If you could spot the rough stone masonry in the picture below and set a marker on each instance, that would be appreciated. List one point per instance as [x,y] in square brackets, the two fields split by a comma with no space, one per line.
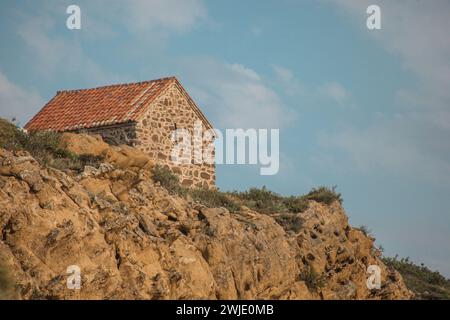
[143,115]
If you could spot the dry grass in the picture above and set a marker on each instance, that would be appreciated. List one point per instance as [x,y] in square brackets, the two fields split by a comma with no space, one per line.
[44,146]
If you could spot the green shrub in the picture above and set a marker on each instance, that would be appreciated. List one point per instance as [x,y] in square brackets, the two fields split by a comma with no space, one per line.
[266,201]
[208,197]
[167,179]
[259,195]
[261,200]
[365,229]
[213,199]
[324,195]
[45,147]
[11,137]
[425,283]
[296,204]
[46,142]
[313,280]
[289,222]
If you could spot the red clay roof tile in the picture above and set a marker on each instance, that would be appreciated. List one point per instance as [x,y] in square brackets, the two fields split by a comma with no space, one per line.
[87,108]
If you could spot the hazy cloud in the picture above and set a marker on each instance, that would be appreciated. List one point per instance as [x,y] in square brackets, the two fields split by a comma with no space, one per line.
[417,31]
[287,79]
[414,138]
[335,91]
[235,95]
[17,102]
[148,15]
[54,55]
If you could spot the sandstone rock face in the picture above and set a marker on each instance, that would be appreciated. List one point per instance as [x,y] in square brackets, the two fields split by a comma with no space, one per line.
[132,240]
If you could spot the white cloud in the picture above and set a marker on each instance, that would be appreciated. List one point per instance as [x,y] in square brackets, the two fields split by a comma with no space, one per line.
[284,74]
[235,95]
[293,87]
[59,53]
[244,72]
[414,140]
[178,15]
[55,55]
[414,144]
[335,91]
[416,31]
[58,56]
[286,77]
[148,15]
[17,102]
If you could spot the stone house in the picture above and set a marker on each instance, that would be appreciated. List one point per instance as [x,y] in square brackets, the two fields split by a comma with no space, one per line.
[142,114]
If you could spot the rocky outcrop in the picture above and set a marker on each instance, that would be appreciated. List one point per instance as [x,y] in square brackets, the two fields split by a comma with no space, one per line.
[132,240]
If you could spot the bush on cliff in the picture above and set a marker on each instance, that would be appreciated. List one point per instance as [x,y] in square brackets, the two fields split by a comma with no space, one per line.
[266,201]
[261,200]
[44,146]
[213,199]
[425,283]
[290,222]
[324,195]
[167,179]
[11,137]
[208,197]
[313,280]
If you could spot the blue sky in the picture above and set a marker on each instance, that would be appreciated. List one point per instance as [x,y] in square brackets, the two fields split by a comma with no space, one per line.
[365,110]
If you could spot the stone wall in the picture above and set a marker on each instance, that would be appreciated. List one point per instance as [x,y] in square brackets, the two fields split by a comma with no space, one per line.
[172,110]
[115,134]
[153,135]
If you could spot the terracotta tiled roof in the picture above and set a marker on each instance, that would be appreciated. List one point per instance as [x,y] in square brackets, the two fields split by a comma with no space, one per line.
[87,108]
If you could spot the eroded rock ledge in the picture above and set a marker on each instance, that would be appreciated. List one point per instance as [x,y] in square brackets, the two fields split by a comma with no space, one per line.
[132,240]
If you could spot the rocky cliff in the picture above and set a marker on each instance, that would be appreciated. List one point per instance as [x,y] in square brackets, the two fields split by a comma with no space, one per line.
[131,239]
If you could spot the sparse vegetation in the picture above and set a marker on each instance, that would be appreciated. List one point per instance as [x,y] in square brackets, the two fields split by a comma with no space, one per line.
[266,201]
[207,197]
[290,222]
[213,198]
[261,200]
[324,195]
[365,229]
[296,204]
[11,137]
[44,146]
[167,179]
[313,280]
[425,283]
